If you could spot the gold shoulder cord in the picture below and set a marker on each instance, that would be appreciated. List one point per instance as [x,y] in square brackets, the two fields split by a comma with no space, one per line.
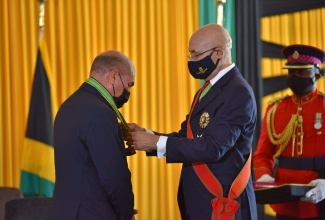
[289,132]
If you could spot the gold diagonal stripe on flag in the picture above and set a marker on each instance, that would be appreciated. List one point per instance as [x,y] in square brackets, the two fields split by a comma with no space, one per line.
[41,159]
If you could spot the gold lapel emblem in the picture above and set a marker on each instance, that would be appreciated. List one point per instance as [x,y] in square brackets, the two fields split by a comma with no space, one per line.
[204,120]
[201,70]
[295,55]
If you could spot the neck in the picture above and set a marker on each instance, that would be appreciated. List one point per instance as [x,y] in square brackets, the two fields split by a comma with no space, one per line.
[305,95]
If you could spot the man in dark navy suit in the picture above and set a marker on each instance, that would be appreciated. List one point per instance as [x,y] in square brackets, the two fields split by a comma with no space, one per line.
[214,141]
[92,176]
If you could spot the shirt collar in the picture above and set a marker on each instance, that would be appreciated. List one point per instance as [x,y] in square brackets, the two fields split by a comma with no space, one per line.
[221,74]
[306,98]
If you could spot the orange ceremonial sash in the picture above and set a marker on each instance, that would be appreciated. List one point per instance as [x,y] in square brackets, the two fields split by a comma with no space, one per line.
[223,208]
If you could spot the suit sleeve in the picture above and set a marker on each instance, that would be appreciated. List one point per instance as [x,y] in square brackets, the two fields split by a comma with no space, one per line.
[106,147]
[180,134]
[263,160]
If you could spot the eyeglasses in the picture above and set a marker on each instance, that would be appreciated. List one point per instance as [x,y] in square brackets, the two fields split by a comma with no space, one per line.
[193,57]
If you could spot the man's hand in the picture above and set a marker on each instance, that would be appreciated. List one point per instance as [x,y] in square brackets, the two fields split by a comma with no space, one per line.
[142,140]
[266,178]
[316,194]
[135,127]
[135,211]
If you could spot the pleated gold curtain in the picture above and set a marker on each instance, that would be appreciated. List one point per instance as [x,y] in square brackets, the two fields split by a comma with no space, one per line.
[306,27]
[154,34]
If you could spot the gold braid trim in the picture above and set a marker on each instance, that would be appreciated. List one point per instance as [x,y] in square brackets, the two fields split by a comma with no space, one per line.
[284,137]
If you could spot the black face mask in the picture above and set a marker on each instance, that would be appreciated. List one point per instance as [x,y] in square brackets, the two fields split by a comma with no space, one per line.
[119,101]
[301,86]
[203,68]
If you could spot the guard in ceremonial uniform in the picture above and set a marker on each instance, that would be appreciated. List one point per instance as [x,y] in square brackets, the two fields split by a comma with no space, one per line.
[293,131]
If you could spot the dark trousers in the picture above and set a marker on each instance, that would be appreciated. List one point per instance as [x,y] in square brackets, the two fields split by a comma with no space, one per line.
[283,217]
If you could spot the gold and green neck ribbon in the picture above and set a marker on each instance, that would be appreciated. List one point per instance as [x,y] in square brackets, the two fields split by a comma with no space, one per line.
[103,91]
[205,91]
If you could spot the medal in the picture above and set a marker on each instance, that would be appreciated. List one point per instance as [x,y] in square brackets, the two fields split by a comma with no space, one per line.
[204,120]
[318,121]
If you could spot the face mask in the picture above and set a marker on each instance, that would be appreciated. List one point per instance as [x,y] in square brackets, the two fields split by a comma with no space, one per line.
[119,101]
[203,68]
[301,86]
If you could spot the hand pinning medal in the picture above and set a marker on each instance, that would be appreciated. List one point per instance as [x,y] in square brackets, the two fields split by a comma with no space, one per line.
[204,120]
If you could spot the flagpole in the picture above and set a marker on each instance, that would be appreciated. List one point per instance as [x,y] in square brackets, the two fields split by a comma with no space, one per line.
[41,22]
[220,17]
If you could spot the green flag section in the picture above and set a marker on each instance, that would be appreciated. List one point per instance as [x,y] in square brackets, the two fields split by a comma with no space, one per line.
[207,12]
[37,170]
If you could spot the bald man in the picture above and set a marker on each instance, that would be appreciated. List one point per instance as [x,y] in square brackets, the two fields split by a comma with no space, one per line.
[214,141]
[92,176]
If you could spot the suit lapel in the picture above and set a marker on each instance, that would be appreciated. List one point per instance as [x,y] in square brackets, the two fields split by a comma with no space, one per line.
[214,91]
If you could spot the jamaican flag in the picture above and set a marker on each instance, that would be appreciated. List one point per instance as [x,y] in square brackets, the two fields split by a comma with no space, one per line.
[37,171]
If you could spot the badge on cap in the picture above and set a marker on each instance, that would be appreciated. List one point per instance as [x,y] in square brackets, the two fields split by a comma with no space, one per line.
[204,120]
[295,55]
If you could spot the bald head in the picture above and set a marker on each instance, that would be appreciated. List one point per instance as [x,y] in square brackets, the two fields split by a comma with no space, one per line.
[111,60]
[114,71]
[211,36]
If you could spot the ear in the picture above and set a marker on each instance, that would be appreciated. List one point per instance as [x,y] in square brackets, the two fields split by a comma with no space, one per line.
[219,52]
[111,76]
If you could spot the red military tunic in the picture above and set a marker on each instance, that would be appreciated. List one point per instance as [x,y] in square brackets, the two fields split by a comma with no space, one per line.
[313,146]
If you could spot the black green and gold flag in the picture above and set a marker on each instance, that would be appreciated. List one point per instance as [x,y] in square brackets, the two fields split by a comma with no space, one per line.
[37,171]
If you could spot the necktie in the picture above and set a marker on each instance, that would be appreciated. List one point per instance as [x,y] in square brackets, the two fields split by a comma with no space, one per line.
[205,88]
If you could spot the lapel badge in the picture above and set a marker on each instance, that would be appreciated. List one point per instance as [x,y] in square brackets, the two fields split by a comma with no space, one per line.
[204,120]
[201,70]
[318,121]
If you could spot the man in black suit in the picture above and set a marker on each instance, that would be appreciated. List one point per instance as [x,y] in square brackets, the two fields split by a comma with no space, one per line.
[214,141]
[92,176]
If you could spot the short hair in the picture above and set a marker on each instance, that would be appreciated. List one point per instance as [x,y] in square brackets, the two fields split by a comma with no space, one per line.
[103,64]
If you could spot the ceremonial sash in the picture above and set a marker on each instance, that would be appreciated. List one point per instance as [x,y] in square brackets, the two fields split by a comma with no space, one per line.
[222,208]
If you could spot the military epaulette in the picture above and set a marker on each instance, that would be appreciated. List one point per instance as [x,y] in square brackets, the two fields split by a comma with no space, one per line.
[278,99]
[321,94]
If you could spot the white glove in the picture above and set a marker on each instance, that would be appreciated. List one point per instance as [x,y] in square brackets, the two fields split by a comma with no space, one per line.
[316,194]
[266,178]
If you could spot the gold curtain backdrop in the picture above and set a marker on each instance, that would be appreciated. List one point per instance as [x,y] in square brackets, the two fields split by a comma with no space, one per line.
[306,27]
[154,34]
